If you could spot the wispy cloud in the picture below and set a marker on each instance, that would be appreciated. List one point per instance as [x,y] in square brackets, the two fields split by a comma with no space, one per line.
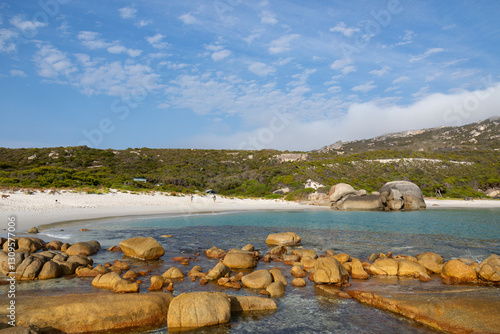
[343,65]
[188,19]
[344,30]
[400,79]
[384,70]
[143,23]
[127,12]
[18,73]
[157,42]
[426,54]
[7,37]
[282,44]
[267,17]
[91,40]
[364,88]
[52,63]
[20,23]
[464,73]
[261,69]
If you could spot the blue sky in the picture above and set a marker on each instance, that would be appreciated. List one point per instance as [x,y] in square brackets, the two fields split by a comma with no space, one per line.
[234,74]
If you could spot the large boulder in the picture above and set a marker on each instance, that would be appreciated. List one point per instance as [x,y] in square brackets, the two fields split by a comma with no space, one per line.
[107,281]
[276,289]
[329,270]
[283,239]
[457,272]
[340,191]
[413,199]
[92,312]
[368,202]
[278,276]
[199,309]
[431,261]
[410,268]
[82,248]
[388,267]
[251,304]
[258,279]
[490,269]
[50,270]
[357,270]
[239,261]
[142,248]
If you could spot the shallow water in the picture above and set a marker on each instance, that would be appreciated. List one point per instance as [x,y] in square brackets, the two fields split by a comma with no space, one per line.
[451,233]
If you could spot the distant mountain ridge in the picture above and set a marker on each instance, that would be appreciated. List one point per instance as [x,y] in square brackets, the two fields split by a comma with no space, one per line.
[482,135]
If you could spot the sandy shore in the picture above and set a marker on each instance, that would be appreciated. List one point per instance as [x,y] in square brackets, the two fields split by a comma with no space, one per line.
[43,208]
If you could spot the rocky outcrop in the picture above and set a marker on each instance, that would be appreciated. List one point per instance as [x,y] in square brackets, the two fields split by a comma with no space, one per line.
[362,203]
[142,248]
[407,192]
[489,269]
[199,309]
[340,191]
[92,312]
[329,270]
[458,272]
[239,261]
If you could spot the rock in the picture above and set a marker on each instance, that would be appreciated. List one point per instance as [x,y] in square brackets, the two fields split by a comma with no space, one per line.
[298,271]
[248,248]
[120,264]
[114,249]
[357,270]
[328,270]
[125,286]
[93,312]
[199,309]
[368,202]
[80,260]
[67,268]
[22,267]
[130,275]
[278,251]
[298,282]
[252,304]
[283,239]
[276,289]
[173,273]
[217,272]
[431,261]
[457,272]
[142,248]
[65,246]
[33,230]
[410,268]
[330,252]
[413,198]
[32,270]
[215,253]
[490,269]
[49,270]
[342,257]
[305,252]
[385,267]
[89,272]
[278,276]
[290,259]
[107,281]
[308,262]
[239,261]
[30,245]
[340,191]
[258,279]
[196,272]
[81,248]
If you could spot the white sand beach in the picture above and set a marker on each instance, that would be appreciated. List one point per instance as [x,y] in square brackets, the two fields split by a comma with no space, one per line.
[41,208]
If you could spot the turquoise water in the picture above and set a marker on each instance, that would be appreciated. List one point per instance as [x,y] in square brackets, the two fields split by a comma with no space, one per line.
[451,233]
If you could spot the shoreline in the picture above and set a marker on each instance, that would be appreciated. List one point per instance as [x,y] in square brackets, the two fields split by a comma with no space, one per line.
[45,210]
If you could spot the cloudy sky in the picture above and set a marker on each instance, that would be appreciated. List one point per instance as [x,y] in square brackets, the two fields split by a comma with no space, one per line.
[232,74]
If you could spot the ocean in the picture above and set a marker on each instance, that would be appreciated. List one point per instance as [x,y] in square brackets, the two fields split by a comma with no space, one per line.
[452,233]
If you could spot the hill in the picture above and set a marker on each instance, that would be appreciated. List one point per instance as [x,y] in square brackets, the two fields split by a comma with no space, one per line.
[452,161]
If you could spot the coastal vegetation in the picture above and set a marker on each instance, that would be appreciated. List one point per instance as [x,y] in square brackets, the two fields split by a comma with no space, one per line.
[453,166]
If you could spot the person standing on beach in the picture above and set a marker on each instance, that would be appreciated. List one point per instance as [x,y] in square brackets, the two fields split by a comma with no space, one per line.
[192,197]
[214,198]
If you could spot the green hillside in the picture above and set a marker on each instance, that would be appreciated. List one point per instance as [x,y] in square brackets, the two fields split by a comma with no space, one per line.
[444,159]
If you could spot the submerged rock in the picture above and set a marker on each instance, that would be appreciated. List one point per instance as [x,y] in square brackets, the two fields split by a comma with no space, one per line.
[283,239]
[258,279]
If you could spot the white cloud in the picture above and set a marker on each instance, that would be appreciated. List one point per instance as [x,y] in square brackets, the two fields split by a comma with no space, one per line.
[220,55]
[6,40]
[343,65]
[400,79]
[334,89]
[188,19]
[157,42]
[261,69]
[24,25]
[364,88]
[407,38]
[282,44]
[91,40]
[52,63]
[343,29]
[18,73]
[127,12]
[283,61]
[384,70]
[134,52]
[348,69]
[116,49]
[252,37]
[143,23]
[267,17]
[426,54]
[455,62]
[433,77]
